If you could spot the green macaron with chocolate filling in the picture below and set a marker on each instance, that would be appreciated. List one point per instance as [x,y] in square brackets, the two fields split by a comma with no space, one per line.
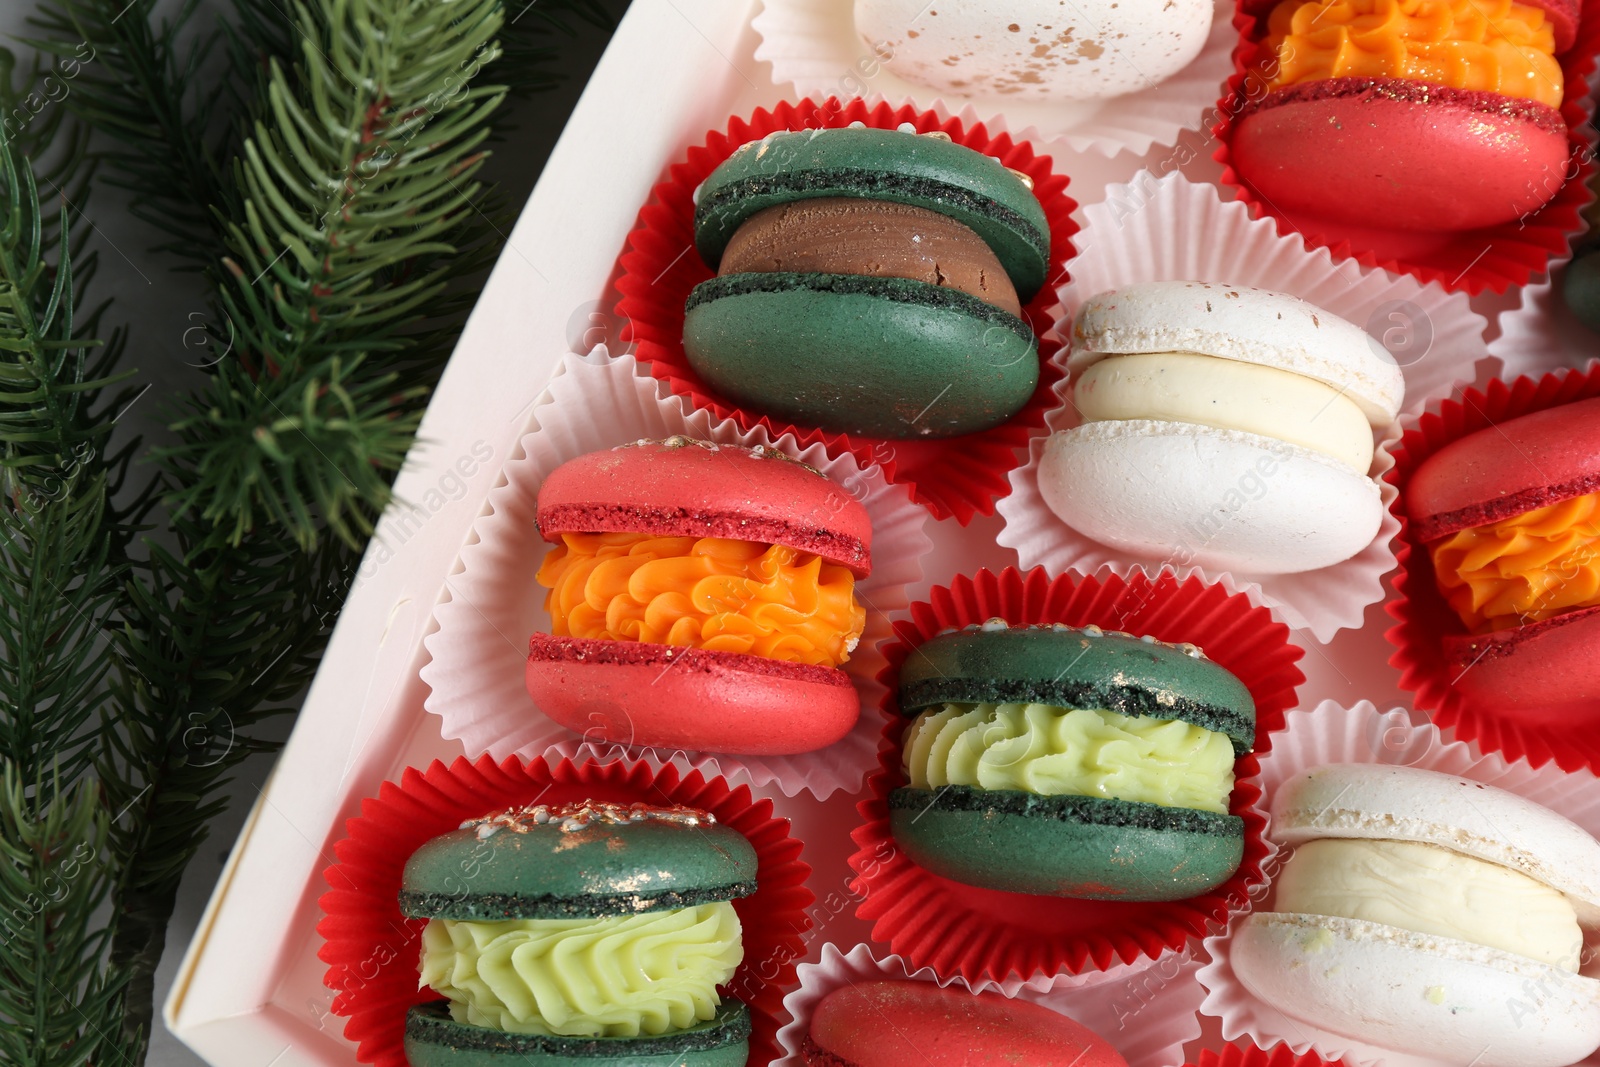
[1072,762]
[869,281]
[590,933]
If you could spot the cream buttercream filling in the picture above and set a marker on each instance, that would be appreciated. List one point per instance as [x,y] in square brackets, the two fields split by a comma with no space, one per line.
[1229,395]
[1037,748]
[1432,890]
[613,977]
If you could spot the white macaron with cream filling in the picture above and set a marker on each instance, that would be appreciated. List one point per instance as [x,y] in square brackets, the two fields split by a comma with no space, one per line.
[1431,915]
[1036,49]
[1232,427]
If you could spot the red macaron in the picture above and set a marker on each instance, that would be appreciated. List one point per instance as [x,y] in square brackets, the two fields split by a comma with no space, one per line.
[918,1024]
[1360,138]
[721,553]
[1511,517]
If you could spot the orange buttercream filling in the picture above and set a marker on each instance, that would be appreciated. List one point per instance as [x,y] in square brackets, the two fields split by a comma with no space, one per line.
[707,592]
[1523,569]
[1496,46]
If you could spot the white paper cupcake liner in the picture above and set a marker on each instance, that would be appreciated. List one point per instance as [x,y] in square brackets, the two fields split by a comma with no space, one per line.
[813,46]
[1147,1012]
[1541,334]
[1331,733]
[1171,229]
[478,653]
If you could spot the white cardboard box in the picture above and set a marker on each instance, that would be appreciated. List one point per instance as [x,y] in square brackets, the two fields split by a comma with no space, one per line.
[250,992]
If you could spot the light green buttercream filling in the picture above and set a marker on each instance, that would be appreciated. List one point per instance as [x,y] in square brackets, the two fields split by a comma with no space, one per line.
[1036,748]
[615,977]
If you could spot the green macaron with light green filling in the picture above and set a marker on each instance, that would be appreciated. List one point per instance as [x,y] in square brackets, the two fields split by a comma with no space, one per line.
[1072,762]
[870,282]
[588,933]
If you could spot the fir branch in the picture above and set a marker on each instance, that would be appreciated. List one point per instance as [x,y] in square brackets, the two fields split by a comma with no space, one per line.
[56,997]
[59,572]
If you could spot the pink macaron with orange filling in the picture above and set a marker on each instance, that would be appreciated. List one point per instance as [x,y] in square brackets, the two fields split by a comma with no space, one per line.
[702,597]
[918,1024]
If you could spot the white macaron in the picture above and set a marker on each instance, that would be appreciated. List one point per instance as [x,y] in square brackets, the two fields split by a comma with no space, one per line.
[1228,426]
[1036,49]
[1461,865]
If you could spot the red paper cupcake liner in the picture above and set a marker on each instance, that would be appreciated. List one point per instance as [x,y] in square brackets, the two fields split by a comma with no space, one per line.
[983,934]
[1422,613]
[1495,258]
[1250,1056]
[372,950]
[961,476]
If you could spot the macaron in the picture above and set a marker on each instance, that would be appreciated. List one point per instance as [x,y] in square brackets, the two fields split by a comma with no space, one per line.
[1510,516]
[1581,287]
[1433,115]
[590,933]
[1071,762]
[1430,915]
[918,1024]
[868,282]
[1036,49]
[702,596]
[1222,425]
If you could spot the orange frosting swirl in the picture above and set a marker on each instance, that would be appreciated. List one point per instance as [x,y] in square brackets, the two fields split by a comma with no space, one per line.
[708,592]
[1496,46]
[1523,569]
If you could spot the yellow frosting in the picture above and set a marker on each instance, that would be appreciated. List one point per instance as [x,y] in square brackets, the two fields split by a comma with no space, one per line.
[709,592]
[1230,395]
[614,977]
[1432,890]
[1036,748]
[1523,569]
[1497,46]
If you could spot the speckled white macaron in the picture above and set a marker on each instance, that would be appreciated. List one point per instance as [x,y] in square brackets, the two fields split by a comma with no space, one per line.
[1177,459]
[1036,49]
[1425,994]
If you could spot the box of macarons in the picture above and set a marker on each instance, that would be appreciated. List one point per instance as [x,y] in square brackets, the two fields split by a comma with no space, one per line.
[1065,535]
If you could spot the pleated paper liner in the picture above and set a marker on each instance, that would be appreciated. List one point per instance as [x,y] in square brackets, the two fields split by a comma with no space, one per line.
[1147,1013]
[479,651]
[1248,1055]
[1171,229]
[813,47]
[1421,612]
[987,935]
[1495,258]
[1541,333]
[372,950]
[1331,733]
[958,476]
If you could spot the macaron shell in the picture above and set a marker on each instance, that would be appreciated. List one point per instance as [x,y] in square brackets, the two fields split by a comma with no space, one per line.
[1383,802]
[635,693]
[1546,672]
[686,488]
[1034,50]
[1510,468]
[545,872]
[1401,154]
[896,165]
[1216,498]
[1065,846]
[887,357]
[1430,996]
[1563,16]
[433,1039]
[1073,669]
[1240,323]
[919,1024]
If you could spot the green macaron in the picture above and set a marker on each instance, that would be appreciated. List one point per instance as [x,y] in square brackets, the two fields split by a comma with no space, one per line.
[539,917]
[871,345]
[1071,762]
